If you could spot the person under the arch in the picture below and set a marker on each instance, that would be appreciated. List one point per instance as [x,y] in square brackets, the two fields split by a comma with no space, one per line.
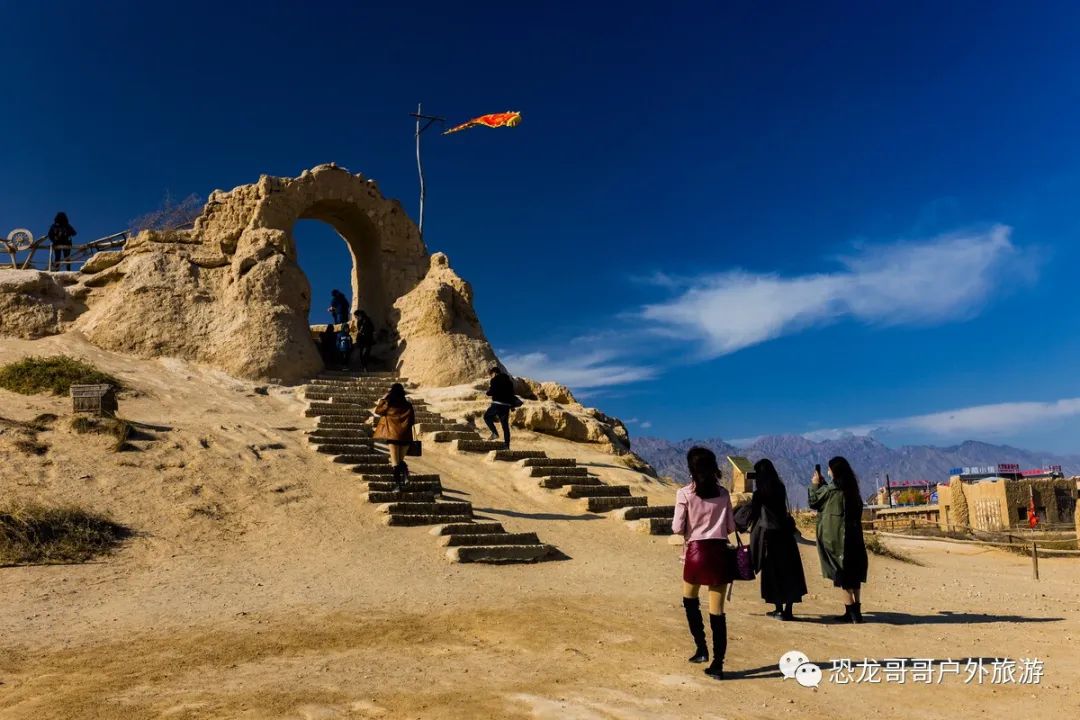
[365,338]
[339,307]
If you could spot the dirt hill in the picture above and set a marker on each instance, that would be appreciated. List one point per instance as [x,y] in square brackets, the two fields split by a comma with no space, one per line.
[260,584]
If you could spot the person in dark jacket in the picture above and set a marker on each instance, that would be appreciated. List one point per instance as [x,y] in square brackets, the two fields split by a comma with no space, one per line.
[365,338]
[395,427]
[339,307]
[60,234]
[503,400]
[772,542]
[839,534]
[328,345]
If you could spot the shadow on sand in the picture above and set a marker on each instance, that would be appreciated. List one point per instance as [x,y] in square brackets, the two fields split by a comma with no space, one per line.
[535,516]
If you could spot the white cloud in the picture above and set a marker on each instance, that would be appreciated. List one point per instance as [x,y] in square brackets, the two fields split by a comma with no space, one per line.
[577,369]
[646,425]
[976,421]
[947,278]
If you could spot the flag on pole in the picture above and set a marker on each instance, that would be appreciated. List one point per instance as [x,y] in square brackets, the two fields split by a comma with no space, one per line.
[492,120]
[1033,519]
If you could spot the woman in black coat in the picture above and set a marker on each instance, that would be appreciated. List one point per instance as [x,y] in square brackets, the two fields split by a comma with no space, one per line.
[772,542]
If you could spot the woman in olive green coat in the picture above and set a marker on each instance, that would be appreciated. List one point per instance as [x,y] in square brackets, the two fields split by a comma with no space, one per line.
[839,534]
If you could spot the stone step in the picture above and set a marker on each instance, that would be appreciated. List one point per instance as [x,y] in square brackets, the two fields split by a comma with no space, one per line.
[459,509]
[358,433]
[367,458]
[498,554]
[380,484]
[377,466]
[563,471]
[355,439]
[515,455]
[478,446]
[595,491]
[445,436]
[480,528]
[408,495]
[412,519]
[426,428]
[604,504]
[356,374]
[549,462]
[529,538]
[653,526]
[337,411]
[414,480]
[350,447]
[650,511]
[558,481]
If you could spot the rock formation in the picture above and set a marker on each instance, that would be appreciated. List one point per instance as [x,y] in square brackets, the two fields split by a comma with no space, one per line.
[34,304]
[229,293]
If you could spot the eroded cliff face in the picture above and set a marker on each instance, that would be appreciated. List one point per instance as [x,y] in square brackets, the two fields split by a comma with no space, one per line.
[229,293]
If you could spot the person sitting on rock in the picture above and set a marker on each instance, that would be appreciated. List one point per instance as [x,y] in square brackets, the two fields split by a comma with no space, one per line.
[339,307]
[503,400]
[60,234]
[365,338]
[394,427]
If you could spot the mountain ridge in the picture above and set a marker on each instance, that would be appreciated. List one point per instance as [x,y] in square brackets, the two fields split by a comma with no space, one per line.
[796,455]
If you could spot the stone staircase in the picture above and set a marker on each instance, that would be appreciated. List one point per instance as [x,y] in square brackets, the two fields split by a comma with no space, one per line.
[343,403]
[573,481]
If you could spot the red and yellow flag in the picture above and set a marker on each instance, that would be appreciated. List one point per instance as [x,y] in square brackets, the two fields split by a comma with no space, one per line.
[1033,519]
[493,120]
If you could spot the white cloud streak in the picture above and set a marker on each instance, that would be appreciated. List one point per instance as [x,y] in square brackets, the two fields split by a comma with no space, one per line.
[978,420]
[577,370]
[947,278]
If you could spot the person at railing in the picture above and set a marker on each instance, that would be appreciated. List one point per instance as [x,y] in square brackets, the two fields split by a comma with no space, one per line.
[60,234]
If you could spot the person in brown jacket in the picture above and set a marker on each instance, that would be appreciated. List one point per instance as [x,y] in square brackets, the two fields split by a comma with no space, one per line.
[394,427]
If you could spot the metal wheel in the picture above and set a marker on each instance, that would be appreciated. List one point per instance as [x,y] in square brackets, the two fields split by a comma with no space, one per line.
[19,239]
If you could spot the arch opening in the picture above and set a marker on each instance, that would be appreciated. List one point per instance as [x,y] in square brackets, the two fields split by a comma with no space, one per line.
[337,246]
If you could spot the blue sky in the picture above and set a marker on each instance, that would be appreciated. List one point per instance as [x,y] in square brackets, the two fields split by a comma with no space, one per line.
[716,219]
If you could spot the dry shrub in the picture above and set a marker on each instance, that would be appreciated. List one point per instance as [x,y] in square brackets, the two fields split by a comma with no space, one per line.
[118,428]
[171,215]
[31,447]
[876,545]
[33,534]
[55,374]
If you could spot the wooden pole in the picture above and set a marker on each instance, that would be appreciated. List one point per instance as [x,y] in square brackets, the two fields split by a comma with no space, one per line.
[420,170]
[1035,560]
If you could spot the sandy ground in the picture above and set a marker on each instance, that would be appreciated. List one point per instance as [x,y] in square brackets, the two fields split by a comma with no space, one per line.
[261,586]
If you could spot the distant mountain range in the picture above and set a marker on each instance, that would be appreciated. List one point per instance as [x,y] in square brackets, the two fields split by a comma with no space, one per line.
[795,456]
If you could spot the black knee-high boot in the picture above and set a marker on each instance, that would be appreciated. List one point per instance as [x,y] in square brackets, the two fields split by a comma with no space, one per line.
[718,624]
[697,629]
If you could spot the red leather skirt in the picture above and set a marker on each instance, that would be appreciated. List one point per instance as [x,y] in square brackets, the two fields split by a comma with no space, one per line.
[706,563]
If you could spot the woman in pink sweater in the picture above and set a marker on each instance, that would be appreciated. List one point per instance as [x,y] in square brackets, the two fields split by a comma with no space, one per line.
[703,516]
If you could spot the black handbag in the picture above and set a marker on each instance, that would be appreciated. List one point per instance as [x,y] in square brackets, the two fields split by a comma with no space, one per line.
[416,449]
[740,561]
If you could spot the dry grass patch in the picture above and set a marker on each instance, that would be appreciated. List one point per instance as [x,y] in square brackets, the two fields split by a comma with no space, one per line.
[35,534]
[118,428]
[55,375]
[876,545]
